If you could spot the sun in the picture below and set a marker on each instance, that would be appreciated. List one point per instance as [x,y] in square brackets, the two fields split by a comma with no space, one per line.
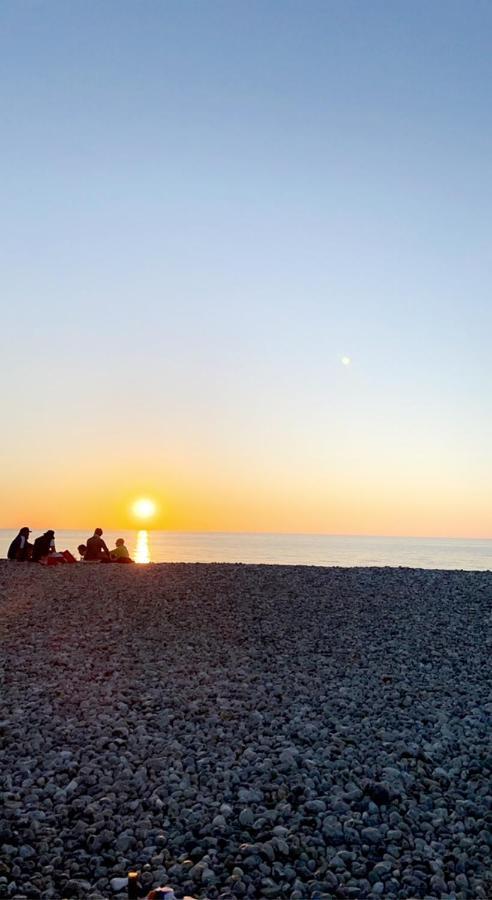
[143,508]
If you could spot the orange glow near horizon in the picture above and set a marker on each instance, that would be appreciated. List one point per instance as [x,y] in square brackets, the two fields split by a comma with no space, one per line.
[200,495]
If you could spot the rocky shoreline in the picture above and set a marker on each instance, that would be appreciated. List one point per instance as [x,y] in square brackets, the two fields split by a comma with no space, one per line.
[245,731]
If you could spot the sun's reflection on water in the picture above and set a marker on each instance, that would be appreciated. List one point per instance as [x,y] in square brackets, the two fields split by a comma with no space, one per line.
[142,551]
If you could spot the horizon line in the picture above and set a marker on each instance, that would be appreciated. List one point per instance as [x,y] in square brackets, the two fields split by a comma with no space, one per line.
[421,537]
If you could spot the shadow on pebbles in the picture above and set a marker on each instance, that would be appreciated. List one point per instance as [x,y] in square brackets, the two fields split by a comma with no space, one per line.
[245,731]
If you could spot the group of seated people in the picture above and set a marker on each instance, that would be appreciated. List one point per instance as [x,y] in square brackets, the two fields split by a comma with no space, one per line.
[96,550]
[43,549]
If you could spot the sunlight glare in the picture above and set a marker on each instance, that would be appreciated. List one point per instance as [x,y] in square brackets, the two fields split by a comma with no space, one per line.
[142,552]
[346,360]
[143,508]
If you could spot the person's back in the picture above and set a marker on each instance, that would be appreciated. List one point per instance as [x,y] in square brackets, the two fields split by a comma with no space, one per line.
[13,549]
[43,545]
[96,548]
[20,548]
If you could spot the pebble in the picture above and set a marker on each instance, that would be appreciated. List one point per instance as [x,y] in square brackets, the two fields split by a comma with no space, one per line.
[118,884]
[246,817]
[245,731]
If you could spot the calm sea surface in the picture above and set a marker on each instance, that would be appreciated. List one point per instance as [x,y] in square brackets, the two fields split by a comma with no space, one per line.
[288,549]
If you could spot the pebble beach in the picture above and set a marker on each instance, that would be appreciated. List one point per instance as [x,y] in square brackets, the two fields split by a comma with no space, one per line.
[245,731]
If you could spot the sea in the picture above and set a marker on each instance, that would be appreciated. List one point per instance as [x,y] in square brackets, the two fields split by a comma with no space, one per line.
[287,549]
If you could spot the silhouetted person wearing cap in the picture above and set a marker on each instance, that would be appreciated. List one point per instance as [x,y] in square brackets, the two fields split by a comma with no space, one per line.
[20,548]
[96,549]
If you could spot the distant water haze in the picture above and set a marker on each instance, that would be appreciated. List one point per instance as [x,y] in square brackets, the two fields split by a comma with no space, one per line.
[287,549]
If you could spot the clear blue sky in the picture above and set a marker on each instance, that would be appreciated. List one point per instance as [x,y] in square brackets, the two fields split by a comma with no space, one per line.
[205,205]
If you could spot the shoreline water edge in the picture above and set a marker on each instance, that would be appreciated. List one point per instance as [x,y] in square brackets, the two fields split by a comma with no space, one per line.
[245,731]
[146,545]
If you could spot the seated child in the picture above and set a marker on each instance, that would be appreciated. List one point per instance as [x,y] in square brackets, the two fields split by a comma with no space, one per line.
[120,553]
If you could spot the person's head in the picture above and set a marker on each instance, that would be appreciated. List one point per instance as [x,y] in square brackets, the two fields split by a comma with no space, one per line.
[50,534]
[25,532]
[82,549]
[98,532]
[120,542]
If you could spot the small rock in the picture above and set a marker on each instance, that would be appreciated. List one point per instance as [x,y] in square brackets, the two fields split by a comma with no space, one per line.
[118,884]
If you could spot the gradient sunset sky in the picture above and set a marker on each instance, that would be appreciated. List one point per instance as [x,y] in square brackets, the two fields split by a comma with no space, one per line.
[205,207]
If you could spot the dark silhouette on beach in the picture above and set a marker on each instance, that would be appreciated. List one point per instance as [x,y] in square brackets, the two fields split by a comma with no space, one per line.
[96,549]
[43,546]
[120,553]
[43,550]
[20,548]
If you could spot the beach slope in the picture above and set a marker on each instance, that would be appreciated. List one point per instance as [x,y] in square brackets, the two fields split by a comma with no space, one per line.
[245,731]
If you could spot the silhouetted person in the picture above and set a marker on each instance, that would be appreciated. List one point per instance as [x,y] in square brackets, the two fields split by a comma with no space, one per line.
[96,548]
[43,546]
[20,548]
[82,550]
[120,553]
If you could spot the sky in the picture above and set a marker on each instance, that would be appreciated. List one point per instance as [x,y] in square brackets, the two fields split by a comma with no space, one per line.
[206,206]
